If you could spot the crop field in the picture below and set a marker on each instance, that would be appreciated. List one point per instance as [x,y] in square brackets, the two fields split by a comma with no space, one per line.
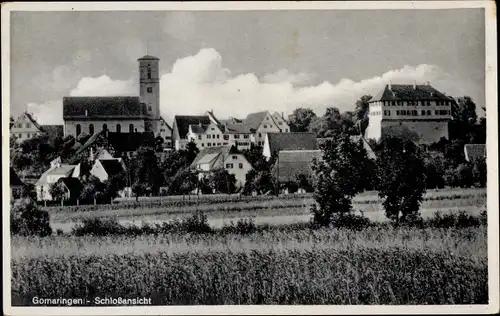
[282,264]
[329,266]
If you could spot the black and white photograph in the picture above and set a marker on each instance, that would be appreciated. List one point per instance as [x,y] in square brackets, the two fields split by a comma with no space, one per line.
[250,158]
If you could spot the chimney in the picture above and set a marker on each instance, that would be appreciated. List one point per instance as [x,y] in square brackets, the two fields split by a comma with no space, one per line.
[283,115]
[414,85]
[390,85]
[86,112]
[91,154]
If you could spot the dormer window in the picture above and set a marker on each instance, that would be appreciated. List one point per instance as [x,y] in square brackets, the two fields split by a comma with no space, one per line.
[150,90]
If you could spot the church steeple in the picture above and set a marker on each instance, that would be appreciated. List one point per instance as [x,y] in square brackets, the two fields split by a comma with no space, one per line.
[149,85]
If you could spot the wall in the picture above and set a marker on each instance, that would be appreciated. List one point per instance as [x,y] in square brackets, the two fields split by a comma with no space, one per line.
[428,131]
[70,126]
[239,173]
[98,171]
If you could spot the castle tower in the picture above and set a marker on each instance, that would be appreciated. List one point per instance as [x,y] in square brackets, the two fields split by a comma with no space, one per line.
[149,86]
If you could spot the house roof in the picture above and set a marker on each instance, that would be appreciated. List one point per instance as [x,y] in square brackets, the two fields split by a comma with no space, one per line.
[74,185]
[103,107]
[211,155]
[111,166]
[33,121]
[183,121]
[14,178]
[473,151]
[124,142]
[355,138]
[148,57]
[253,120]
[89,142]
[63,169]
[291,141]
[407,92]
[291,163]
[198,128]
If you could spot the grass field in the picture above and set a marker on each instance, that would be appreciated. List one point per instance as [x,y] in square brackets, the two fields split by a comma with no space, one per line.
[273,211]
[377,265]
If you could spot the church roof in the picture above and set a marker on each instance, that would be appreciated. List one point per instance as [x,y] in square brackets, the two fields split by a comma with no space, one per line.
[103,107]
[148,57]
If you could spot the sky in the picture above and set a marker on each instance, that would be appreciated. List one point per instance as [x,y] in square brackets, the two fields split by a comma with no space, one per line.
[238,62]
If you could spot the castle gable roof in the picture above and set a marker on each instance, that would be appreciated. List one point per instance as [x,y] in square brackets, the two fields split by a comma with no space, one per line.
[409,92]
[103,107]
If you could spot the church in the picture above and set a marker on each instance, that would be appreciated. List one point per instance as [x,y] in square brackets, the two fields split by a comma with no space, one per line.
[120,114]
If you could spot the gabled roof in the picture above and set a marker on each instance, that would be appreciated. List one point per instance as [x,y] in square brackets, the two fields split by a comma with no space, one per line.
[33,121]
[102,107]
[166,124]
[63,169]
[14,178]
[291,141]
[355,138]
[237,128]
[291,163]
[473,151]
[74,186]
[182,122]
[407,92]
[212,154]
[148,57]
[90,142]
[111,166]
[124,142]
[253,120]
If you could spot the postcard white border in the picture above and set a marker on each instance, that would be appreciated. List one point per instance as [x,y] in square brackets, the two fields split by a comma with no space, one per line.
[492,157]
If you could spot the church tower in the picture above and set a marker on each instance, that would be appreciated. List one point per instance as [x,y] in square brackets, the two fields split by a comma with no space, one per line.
[149,88]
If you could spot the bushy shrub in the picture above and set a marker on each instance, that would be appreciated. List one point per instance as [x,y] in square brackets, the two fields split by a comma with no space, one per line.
[27,219]
[242,227]
[196,223]
[451,220]
[483,217]
[352,221]
[98,227]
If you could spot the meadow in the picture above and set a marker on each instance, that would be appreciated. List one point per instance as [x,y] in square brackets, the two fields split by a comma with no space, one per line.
[278,263]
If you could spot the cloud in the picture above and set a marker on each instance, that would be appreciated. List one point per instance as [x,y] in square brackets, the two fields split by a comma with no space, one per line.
[104,86]
[200,82]
[48,113]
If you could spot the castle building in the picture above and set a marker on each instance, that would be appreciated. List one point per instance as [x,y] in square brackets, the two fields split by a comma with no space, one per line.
[120,114]
[420,111]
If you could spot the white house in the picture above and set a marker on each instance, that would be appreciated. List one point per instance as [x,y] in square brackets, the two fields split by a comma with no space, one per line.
[103,169]
[419,110]
[226,157]
[56,171]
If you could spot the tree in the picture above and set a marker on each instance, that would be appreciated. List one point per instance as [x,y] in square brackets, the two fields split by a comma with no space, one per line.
[146,170]
[138,189]
[191,152]
[159,143]
[347,123]
[337,178]
[328,125]
[11,121]
[479,172]
[260,182]
[256,158]
[399,131]
[464,121]
[173,162]
[361,113]
[27,219]
[92,189]
[435,167]
[300,119]
[305,182]
[401,179]
[57,191]
[114,184]
[220,180]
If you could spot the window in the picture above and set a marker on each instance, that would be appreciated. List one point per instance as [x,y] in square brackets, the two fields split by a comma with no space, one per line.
[428,112]
[162,130]
[199,137]
[241,166]
[235,157]
[209,145]
[236,136]
[150,89]
[213,136]
[208,136]
[393,102]
[213,129]
[131,128]
[218,144]
[149,107]
[214,144]
[436,112]
[260,135]
[91,129]
[202,145]
[265,126]
[229,166]
[397,112]
[27,125]
[118,128]
[422,112]
[270,126]
[218,135]
[105,127]
[224,144]
[226,137]
[149,72]
[78,129]
[286,130]
[246,136]
[29,135]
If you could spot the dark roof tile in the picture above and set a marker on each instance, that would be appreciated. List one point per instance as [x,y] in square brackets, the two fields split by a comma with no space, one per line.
[291,141]
[111,166]
[102,107]
[182,122]
[409,93]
